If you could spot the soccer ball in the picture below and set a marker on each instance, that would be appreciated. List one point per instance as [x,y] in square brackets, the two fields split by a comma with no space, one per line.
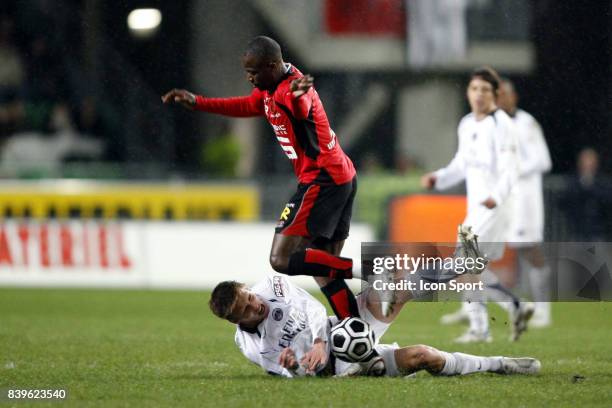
[352,340]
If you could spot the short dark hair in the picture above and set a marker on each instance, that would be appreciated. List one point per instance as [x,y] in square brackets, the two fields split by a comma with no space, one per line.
[488,74]
[223,298]
[507,81]
[265,49]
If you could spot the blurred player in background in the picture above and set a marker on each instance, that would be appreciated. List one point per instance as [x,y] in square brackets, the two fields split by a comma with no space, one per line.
[284,330]
[315,222]
[527,226]
[526,231]
[487,160]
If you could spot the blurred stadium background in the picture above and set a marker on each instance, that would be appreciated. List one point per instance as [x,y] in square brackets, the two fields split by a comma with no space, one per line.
[103,186]
[92,162]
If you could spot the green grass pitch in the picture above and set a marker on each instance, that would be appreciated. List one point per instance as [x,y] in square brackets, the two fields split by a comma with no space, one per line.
[163,348]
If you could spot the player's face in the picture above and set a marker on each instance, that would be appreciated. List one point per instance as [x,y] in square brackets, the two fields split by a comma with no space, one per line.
[481,96]
[506,98]
[260,74]
[248,310]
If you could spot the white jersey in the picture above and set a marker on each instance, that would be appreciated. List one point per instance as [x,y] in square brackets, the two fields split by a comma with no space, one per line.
[295,319]
[534,160]
[486,159]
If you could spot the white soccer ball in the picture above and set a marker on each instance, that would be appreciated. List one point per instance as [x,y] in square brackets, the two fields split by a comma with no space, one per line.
[352,340]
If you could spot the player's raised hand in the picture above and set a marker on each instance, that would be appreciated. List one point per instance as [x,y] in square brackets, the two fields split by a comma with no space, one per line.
[315,358]
[181,96]
[490,203]
[301,85]
[428,181]
[287,359]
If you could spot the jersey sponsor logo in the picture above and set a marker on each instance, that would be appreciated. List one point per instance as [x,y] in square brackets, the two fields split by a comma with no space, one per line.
[280,129]
[277,314]
[267,109]
[285,215]
[277,286]
[294,325]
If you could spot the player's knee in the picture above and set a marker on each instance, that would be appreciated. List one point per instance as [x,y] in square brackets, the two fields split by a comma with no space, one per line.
[430,359]
[411,359]
[424,357]
[420,355]
[279,263]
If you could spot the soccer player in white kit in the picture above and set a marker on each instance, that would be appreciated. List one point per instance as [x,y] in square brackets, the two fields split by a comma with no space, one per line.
[527,225]
[487,160]
[284,330]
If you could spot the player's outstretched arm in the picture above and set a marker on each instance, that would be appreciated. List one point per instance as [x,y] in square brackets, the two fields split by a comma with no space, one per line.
[180,96]
[315,358]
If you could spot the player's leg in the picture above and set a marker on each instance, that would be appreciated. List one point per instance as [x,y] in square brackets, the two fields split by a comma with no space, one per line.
[337,292]
[489,226]
[313,212]
[287,250]
[420,357]
[537,270]
[293,255]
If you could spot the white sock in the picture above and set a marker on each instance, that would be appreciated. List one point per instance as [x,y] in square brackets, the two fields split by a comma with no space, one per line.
[542,311]
[539,283]
[479,318]
[476,308]
[462,364]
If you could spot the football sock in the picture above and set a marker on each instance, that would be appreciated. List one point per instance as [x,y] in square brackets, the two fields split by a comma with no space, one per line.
[498,293]
[462,364]
[315,262]
[341,299]
[478,316]
[540,287]
[539,283]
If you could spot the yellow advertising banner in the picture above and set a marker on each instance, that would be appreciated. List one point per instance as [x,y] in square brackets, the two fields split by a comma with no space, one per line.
[113,200]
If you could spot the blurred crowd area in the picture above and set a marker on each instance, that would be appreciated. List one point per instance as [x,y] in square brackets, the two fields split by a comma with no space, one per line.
[47,113]
[79,97]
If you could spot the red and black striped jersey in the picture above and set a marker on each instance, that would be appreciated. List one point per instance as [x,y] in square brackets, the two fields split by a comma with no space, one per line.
[301,127]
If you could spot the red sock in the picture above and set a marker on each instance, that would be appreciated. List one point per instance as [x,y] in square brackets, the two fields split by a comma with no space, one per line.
[315,262]
[341,299]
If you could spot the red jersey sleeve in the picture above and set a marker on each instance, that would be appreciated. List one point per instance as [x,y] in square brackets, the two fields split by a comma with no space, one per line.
[240,106]
[300,106]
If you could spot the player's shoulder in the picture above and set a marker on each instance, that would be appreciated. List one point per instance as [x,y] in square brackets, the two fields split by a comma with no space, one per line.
[500,116]
[273,286]
[466,120]
[526,118]
[240,339]
[285,84]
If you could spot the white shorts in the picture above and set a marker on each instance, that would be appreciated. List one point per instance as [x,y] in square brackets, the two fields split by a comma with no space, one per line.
[386,351]
[491,227]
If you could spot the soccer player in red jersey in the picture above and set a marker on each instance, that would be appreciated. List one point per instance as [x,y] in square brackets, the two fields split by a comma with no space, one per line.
[313,226]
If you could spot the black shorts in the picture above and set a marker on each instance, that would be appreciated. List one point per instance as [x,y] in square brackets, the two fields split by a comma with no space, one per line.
[317,211]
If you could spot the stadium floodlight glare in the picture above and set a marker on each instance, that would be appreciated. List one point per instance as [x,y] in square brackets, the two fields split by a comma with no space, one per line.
[144,22]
